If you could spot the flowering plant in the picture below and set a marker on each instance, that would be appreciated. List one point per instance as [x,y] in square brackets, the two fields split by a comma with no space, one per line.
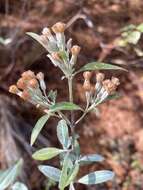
[31,87]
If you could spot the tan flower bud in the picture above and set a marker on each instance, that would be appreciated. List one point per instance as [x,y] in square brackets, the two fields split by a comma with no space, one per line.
[75,50]
[25,95]
[40,76]
[115,81]
[87,86]
[100,77]
[46,32]
[59,27]
[109,86]
[87,75]
[13,89]
[21,83]
[56,56]
[33,83]
[28,75]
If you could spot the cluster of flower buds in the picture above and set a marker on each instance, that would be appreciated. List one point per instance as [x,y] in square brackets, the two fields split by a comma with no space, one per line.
[101,90]
[31,87]
[61,54]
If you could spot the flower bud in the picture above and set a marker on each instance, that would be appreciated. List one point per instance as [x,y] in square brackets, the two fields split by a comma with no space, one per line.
[21,83]
[109,86]
[13,89]
[87,86]
[87,75]
[46,32]
[100,77]
[75,50]
[33,83]
[28,75]
[40,76]
[59,27]
[56,56]
[115,81]
[25,95]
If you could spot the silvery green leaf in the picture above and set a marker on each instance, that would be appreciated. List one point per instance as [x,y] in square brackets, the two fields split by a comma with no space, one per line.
[71,187]
[38,127]
[52,95]
[8,176]
[49,46]
[87,159]
[72,175]
[134,37]
[46,153]
[64,106]
[64,172]
[77,148]
[140,27]
[96,177]
[129,27]
[50,172]
[99,66]
[19,186]
[63,133]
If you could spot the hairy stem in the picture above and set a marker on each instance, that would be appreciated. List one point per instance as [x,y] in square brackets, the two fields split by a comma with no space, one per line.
[70,85]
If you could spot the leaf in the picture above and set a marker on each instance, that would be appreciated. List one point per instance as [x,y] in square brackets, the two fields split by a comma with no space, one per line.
[50,172]
[64,106]
[64,173]
[8,176]
[140,27]
[87,159]
[38,127]
[63,133]
[99,66]
[134,37]
[19,186]
[96,177]
[52,95]
[114,96]
[71,187]
[46,153]
[49,46]
[72,174]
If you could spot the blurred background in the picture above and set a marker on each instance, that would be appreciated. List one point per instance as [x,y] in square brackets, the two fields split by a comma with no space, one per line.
[116,131]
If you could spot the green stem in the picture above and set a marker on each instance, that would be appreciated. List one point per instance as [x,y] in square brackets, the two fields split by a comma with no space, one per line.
[70,85]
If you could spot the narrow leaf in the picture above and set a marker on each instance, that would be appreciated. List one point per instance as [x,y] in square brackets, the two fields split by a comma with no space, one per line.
[46,153]
[64,106]
[38,127]
[63,133]
[87,159]
[99,66]
[49,46]
[134,37]
[72,174]
[7,177]
[19,186]
[96,177]
[50,172]
[64,173]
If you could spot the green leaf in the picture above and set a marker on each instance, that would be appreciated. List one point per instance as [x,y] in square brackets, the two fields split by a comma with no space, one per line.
[19,186]
[99,66]
[96,177]
[134,37]
[64,106]
[64,173]
[49,46]
[63,133]
[50,172]
[140,27]
[72,174]
[8,176]
[38,127]
[87,159]
[46,153]
[112,97]
[52,95]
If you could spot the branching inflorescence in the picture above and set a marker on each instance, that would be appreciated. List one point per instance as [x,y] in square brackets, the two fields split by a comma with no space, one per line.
[31,87]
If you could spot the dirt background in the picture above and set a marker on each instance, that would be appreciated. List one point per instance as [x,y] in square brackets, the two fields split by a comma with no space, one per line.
[117,132]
